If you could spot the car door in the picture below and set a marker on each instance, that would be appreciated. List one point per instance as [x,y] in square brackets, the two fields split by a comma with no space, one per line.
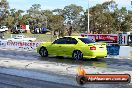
[56,47]
[69,46]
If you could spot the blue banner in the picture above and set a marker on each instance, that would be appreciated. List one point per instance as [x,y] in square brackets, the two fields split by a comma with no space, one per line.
[113,49]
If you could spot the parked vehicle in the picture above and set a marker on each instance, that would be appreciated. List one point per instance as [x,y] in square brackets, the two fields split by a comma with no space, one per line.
[18,29]
[44,30]
[40,30]
[3,29]
[73,46]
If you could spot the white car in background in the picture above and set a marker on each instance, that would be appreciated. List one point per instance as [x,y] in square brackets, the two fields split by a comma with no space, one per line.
[21,38]
[3,29]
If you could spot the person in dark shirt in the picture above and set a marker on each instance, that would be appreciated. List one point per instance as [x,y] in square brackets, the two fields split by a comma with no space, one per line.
[131,38]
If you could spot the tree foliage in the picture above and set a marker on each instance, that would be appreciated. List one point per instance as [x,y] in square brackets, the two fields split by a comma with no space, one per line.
[108,18]
[104,18]
[4,5]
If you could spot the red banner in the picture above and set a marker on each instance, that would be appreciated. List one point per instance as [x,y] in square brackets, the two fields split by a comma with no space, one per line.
[108,38]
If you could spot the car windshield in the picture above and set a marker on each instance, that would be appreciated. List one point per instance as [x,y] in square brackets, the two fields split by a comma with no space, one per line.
[87,40]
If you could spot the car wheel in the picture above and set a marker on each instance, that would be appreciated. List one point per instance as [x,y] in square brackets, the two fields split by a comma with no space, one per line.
[95,59]
[43,52]
[77,55]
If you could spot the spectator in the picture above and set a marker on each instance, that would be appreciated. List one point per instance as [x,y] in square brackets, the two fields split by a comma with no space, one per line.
[2,35]
[131,38]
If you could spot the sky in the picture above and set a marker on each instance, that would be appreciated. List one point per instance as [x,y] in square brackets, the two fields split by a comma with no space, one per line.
[53,4]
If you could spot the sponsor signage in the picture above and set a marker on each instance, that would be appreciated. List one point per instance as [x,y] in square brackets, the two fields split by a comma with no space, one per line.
[82,78]
[19,45]
[120,39]
[108,38]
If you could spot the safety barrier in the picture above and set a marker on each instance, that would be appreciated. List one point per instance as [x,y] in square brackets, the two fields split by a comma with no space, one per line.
[19,45]
[113,49]
[122,52]
[125,52]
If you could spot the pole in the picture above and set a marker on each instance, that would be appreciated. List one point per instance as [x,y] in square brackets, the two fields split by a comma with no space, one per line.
[88,31]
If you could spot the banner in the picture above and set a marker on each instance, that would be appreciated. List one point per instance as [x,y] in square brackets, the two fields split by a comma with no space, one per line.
[113,49]
[18,45]
[107,38]
[22,45]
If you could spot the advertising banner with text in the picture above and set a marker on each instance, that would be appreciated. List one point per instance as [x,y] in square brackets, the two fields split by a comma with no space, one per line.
[19,45]
[107,38]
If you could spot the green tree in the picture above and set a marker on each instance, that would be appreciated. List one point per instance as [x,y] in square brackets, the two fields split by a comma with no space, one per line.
[71,13]
[12,12]
[35,13]
[46,16]
[4,5]
[34,10]
[58,11]
[9,21]
[101,18]
[122,19]
[56,24]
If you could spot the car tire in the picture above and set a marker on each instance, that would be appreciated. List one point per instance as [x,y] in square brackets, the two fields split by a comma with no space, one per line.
[43,52]
[94,59]
[59,57]
[77,55]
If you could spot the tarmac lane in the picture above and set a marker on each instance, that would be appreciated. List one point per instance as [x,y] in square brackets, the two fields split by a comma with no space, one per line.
[27,80]
[115,63]
[31,61]
[12,81]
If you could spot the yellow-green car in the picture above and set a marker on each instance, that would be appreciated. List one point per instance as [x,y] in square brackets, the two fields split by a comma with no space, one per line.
[76,47]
